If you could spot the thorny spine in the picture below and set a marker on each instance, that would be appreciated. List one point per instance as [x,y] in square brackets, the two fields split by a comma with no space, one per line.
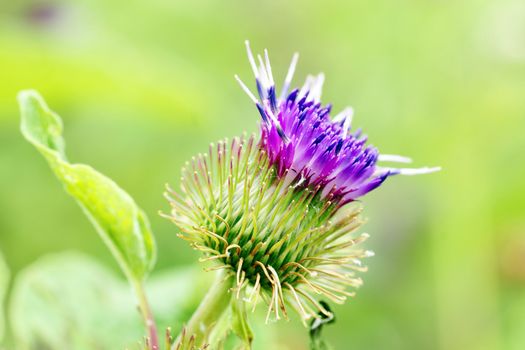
[283,243]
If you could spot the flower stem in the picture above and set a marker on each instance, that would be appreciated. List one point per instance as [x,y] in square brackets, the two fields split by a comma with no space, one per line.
[208,314]
[147,316]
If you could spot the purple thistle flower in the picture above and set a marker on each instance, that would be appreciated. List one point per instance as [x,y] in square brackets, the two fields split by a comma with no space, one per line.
[271,211]
[307,146]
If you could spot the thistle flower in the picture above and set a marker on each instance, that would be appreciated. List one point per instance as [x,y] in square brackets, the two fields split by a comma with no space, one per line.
[279,210]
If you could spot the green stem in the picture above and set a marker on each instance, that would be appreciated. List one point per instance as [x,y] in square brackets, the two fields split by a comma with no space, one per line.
[147,315]
[209,312]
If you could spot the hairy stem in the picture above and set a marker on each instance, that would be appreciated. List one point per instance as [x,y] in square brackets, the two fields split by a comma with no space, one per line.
[208,314]
[147,316]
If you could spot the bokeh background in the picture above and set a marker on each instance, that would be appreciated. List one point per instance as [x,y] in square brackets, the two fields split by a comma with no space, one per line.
[144,85]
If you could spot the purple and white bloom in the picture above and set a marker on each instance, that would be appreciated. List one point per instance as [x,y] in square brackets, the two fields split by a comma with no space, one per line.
[310,147]
[279,211]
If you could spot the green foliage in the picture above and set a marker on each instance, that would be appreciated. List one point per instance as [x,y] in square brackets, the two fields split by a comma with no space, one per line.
[441,81]
[69,301]
[4,282]
[232,330]
[240,325]
[121,224]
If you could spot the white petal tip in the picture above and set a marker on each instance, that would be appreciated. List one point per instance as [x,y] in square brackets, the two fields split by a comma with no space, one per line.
[245,89]
[419,171]
[394,158]
[369,254]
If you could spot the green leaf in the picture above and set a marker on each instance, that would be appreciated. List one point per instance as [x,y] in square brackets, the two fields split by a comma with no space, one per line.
[233,320]
[122,225]
[70,301]
[4,281]
[240,325]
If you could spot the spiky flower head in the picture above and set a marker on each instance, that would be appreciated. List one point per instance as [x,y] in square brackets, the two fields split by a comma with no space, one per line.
[279,210]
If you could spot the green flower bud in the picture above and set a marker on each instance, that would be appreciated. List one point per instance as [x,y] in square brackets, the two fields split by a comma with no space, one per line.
[286,244]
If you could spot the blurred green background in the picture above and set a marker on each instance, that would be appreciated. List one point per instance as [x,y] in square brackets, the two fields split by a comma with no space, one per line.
[144,85]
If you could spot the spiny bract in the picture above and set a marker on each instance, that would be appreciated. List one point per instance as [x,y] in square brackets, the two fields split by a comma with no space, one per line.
[279,210]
